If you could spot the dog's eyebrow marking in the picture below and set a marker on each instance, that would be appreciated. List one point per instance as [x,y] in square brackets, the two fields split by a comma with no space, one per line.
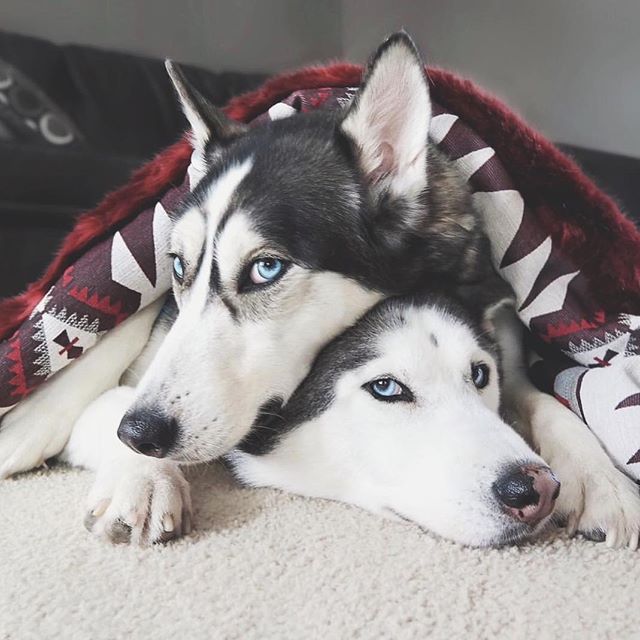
[223,222]
[434,340]
[218,200]
[200,259]
[230,306]
[215,279]
[188,238]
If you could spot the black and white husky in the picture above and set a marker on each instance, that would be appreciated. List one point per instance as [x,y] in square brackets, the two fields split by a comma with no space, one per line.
[296,229]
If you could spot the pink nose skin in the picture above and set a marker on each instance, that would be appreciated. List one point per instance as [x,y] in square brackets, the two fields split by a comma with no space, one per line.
[527,493]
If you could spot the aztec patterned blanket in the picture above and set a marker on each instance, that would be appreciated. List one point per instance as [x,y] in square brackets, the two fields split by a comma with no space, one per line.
[571,256]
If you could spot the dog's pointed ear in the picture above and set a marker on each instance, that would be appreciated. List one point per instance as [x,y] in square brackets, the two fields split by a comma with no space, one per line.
[388,120]
[209,125]
[490,296]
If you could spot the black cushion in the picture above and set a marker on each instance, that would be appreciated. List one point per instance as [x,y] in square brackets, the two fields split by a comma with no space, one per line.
[617,175]
[122,109]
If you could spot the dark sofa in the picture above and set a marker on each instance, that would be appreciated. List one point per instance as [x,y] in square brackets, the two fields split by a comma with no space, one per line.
[111,113]
[76,121]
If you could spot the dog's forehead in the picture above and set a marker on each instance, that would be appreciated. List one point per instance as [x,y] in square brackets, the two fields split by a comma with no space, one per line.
[188,233]
[209,205]
[235,243]
[429,334]
[298,161]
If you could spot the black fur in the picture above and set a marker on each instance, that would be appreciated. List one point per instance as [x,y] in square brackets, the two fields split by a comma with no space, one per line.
[221,129]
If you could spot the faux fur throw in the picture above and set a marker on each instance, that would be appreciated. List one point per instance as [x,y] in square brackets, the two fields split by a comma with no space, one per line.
[572,258]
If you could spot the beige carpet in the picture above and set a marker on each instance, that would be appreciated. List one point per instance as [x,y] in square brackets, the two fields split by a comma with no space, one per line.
[266,565]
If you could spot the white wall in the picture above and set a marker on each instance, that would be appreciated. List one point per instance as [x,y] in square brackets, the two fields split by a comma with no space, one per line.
[571,67]
[247,35]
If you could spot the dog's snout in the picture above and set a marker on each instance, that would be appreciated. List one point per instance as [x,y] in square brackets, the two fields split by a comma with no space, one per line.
[528,493]
[149,432]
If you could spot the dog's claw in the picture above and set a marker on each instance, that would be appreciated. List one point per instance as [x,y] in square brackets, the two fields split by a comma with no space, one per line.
[602,508]
[100,508]
[167,523]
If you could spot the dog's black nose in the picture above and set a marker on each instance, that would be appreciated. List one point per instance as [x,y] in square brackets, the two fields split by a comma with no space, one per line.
[527,492]
[148,431]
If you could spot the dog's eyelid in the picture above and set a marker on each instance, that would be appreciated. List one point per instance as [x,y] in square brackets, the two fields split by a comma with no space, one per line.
[405,396]
[174,253]
[244,282]
[266,251]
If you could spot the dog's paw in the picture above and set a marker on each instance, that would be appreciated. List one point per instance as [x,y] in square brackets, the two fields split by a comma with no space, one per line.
[26,445]
[598,501]
[141,502]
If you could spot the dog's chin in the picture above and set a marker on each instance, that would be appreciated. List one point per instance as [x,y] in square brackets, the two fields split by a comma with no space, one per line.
[520,533]
[513,534]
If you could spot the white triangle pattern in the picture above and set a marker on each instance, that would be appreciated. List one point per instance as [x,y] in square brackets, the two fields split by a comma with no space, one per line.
[502,213]
[81,332]
[281,110]
[42,305]
[78,337]
[523,273]
[440,126]
[550,299]
[126,271]
[469,164]
[587,353]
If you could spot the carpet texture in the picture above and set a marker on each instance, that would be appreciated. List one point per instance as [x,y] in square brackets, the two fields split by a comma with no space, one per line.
[263,564]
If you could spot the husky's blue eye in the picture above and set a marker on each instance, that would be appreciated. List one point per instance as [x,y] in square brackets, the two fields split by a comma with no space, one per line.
[388,390]
[265,270]
[178,268]
[386,387]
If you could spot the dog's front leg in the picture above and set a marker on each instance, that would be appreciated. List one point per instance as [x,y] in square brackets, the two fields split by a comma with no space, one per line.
[596,498]
[134,498]
[38,427]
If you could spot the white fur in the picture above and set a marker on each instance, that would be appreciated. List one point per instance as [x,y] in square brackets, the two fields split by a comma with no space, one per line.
[38,427]
[431,461]
[389,122]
